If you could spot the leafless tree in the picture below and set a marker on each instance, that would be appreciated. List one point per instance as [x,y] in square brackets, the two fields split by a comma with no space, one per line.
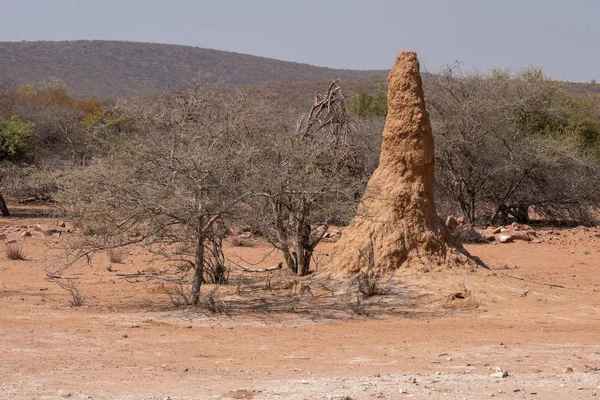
[167,182]
[309,176]
[503,140]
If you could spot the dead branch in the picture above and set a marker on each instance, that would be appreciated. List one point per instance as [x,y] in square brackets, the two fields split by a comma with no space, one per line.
[273,268]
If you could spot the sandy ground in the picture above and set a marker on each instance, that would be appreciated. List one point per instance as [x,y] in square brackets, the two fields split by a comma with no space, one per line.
[535,313]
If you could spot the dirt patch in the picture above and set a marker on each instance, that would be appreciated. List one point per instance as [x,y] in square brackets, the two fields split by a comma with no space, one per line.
[537,316]
[240,394]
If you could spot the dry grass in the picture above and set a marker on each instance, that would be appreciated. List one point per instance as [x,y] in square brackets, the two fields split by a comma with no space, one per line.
[369,280]
[116,256]
[14,251]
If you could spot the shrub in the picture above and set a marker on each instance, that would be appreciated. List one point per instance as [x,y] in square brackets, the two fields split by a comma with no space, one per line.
[76,300]
[116,255]
[14,251]
[368,279]
[16,138]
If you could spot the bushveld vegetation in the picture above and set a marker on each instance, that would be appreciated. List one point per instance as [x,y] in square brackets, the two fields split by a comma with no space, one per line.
[509,144]
[175,173]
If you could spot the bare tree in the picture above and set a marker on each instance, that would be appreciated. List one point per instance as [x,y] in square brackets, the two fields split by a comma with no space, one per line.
[179,171]
[308,177]
[503,140]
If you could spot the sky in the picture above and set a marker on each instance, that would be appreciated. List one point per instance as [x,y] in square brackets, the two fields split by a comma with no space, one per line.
[561,36]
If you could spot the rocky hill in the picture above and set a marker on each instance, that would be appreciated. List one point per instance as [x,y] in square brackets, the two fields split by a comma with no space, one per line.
[112,69]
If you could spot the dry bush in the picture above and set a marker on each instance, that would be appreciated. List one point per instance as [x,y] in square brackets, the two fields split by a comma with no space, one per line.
[369,279]
[210,304]
[14,251]
[359,308]
[177,295]
[217,273]
[307,178]
[508,142]
[77,299]
[180,171]
[116,255]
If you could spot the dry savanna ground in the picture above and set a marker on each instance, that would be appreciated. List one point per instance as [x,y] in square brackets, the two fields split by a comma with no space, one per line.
[535,313]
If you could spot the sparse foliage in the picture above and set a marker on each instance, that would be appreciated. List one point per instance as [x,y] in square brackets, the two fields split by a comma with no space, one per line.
[309,175]
[505,143]
[368,279]
[180,171]
[366,105]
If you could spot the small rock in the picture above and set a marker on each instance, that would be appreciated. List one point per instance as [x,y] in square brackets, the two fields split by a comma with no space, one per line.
[567,370]
[124,336]
[46,230]
[10,240]
[487,235]
[521,236]
[25,234]
[498,372]
[503,238]
[61,224]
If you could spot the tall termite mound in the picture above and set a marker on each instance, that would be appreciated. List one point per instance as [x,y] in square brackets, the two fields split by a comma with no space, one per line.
[397,217]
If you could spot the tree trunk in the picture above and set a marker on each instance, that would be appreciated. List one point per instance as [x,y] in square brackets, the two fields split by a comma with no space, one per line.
[198,270]
[3,207]
[304,268]
[289,259]
[521,213]
[302,246]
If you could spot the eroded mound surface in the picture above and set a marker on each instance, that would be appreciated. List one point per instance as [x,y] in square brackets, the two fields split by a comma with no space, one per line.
[397,217]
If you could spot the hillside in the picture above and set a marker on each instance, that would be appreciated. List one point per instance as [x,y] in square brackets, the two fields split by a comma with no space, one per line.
[111,69]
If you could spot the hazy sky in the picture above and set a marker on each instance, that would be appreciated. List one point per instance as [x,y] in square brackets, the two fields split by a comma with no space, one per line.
[561,36]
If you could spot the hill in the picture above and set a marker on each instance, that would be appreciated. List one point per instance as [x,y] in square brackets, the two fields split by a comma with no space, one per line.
[111,69]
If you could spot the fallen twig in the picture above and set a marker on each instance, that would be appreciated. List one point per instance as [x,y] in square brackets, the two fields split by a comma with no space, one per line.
[137,274]
[273,268]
